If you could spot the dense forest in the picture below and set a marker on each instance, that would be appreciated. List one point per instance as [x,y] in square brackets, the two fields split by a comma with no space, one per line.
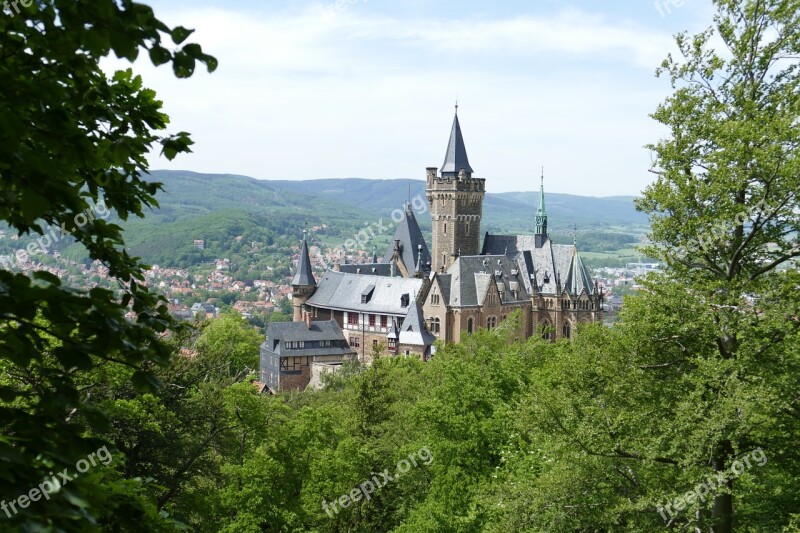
[534,436]
[684,415]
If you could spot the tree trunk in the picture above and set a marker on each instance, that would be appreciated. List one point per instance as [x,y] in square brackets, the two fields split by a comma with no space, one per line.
[722,515]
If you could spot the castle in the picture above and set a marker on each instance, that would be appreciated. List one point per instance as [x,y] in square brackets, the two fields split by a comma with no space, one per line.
[418,295]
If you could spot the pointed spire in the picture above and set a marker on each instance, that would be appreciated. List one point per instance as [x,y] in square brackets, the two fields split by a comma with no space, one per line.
[406,241]
[419,266]
[541,216]
[374,258]
[541,211]
[456,157]
[413,330]
[304,274]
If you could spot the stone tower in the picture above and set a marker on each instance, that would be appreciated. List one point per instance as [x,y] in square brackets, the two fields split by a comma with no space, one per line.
[303,283]
[456,204]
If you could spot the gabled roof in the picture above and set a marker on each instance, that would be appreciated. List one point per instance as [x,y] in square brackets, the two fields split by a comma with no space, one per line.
[323,330]
[410,237]
[304,274]
[413,330]
[547,265]
[470,276]
[456,157]
[443,281]
[342,291]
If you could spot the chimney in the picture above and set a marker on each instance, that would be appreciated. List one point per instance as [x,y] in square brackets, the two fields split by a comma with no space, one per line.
[307,317]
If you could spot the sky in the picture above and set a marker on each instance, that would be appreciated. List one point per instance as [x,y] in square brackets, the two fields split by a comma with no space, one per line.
[366,88]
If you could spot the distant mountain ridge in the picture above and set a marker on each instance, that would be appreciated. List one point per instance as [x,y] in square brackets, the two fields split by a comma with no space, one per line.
[510,210]
[220,208]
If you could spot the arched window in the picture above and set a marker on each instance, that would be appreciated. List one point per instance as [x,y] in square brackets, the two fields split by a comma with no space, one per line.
[546,330]
[469,327]
[491,322]
[566,330]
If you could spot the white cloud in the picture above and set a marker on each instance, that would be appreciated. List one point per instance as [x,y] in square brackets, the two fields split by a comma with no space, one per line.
[329,93]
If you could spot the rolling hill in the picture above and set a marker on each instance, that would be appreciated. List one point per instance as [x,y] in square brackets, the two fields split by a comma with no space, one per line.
[218,207]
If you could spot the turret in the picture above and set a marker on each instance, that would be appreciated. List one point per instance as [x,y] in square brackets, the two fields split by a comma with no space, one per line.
[303,283]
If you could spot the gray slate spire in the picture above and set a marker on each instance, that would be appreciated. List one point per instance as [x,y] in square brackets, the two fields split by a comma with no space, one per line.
[409,238]
[541,217]
[456,157]
[304,274]
[413,330]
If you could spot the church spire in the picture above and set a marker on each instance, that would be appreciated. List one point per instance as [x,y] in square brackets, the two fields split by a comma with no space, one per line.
[541,217]
[456,157]
[304,275]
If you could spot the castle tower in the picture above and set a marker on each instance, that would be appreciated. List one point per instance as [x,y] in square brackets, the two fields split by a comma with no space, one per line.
[541,218]
[456,204]
[303,283]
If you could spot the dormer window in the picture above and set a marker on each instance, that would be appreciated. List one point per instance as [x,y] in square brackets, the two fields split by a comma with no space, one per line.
[405,300]
[366,295]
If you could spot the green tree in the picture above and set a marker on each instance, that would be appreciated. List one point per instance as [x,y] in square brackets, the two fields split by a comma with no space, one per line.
[73,146]
[725,215]
[231,337]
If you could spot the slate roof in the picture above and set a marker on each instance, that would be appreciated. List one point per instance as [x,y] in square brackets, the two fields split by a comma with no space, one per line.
[376,269]
[548,264]
[304,274]
[413,330]
[456,157]
[342,291]
[323,330]
[394,331]
[470,277]
[411,238]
